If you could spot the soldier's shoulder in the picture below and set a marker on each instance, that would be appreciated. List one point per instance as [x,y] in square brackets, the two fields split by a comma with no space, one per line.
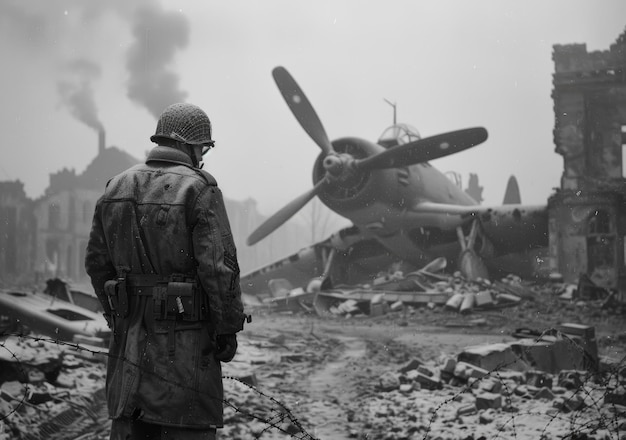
[123,174]
[206,176]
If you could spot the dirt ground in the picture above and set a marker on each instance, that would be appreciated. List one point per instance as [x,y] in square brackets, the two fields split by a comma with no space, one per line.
[305,377]
[320,378]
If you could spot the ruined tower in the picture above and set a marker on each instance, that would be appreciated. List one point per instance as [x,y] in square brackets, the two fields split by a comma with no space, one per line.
[588,213]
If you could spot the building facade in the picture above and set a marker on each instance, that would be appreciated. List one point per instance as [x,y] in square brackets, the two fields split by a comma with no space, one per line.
[587,214]
[47,237]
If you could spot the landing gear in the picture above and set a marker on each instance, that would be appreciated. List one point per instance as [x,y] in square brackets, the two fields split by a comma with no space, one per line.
[470,264]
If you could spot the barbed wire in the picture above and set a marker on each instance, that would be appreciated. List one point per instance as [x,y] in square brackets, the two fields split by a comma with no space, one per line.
[281,414]
[274,422]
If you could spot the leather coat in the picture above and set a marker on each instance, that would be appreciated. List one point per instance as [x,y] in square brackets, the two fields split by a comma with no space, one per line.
[166,217]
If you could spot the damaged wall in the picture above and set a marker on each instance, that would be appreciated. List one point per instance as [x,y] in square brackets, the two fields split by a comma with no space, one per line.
[586,215]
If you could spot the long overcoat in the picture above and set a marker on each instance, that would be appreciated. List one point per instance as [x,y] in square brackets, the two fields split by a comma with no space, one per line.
[166,217]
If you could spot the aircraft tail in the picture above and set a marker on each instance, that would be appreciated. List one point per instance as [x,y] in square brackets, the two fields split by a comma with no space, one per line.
[512,195]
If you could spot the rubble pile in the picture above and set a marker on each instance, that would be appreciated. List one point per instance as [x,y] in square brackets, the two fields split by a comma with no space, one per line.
[50,391]
[448,399]
[263,386]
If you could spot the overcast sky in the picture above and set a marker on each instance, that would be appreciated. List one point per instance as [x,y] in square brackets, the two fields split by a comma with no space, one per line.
[71,66]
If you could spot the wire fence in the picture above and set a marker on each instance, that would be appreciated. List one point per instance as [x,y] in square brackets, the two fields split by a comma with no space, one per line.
[84,416]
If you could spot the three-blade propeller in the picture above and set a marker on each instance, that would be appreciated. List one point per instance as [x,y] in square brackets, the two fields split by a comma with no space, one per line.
[404,155]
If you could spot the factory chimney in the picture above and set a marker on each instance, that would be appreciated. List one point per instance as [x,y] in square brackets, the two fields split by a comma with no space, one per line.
[101,140]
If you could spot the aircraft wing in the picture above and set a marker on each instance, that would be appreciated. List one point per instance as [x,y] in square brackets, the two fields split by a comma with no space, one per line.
[348,254]
[474,210]
[514,226]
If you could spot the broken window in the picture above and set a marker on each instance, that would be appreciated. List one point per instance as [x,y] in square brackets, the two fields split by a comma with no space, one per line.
[599,222]
[54,216]
[601,250]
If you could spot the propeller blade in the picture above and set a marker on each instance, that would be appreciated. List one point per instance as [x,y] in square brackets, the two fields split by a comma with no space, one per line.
[284,214]
[425,149]
[301,108]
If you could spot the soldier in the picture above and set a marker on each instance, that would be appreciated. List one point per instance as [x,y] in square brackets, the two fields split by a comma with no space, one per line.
[163,263]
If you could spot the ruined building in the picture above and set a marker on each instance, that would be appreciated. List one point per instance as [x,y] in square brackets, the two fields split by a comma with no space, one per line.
[587,213]
[47,237]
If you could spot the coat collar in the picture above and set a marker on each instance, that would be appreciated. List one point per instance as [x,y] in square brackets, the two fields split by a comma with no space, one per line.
[168,154]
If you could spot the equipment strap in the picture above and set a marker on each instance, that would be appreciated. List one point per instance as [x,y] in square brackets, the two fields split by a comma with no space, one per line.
[145,280]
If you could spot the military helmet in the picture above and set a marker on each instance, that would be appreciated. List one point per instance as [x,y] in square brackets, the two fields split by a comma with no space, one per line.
[185,123]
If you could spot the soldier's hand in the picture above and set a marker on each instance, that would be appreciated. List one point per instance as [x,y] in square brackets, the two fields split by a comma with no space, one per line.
[226,347]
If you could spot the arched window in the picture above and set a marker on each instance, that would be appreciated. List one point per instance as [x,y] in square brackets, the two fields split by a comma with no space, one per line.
[54,216]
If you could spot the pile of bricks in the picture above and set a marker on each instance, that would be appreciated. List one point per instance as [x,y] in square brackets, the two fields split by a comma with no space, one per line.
[50,391]
[455,398]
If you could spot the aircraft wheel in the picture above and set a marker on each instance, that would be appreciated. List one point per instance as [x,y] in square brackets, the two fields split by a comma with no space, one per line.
[471,265]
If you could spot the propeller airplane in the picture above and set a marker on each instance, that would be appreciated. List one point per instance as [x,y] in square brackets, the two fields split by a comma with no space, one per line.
[404,211]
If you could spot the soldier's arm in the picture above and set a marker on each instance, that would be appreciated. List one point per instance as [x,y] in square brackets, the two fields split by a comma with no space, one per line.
[218,268]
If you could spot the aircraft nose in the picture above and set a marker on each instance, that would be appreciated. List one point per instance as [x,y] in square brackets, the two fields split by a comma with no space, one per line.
[333,164]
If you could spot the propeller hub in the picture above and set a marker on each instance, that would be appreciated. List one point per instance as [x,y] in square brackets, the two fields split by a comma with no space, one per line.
[334,165]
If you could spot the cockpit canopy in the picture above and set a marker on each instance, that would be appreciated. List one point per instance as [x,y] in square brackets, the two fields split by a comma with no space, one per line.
[398,134]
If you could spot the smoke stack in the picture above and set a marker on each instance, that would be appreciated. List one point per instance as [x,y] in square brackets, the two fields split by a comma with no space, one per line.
[101,141]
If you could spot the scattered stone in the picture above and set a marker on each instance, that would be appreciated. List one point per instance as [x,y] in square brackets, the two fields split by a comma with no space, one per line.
[406,388]
[571,379]
[538,379]
[466,410]
[489,400]
[487,416]
[544,393]
[413,364]
[389,381]
[427,382]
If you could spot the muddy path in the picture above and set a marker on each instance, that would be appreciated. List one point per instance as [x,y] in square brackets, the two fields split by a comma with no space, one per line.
[326,372]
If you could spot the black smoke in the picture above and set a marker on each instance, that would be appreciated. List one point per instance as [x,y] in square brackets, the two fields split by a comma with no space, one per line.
[76,91]
[48,27]
[159,35]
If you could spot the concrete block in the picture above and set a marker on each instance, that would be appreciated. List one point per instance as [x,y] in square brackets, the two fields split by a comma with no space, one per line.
[487,416]
[492,357]
[571,379]
[521,390]
[488,400]
[425,370]
[484,299]
[411,365]
[536,354]
[538,379]
[616,396]
[469,301]
[429,383]
[491,385]
[508,298]
[464,370]
[569,354]
[406,388]
[389,381]
[411,375]
[544,393]
[466,410]
[568,404]
[455,301]
[249,379]
[398,305]
[448,365]
[584,331]
[585,336]
[379,309]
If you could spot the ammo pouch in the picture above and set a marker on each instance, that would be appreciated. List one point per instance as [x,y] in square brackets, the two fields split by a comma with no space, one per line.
[174,298]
